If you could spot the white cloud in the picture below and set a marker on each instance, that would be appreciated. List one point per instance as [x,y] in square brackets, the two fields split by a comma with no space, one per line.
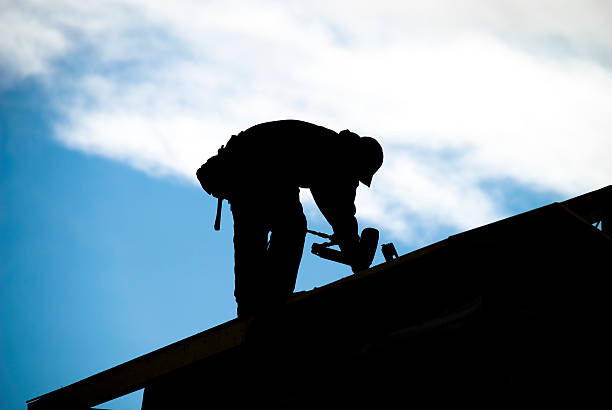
[515,90]
[28,45]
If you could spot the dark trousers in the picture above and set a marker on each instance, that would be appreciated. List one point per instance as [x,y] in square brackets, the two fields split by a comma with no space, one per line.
[269,233]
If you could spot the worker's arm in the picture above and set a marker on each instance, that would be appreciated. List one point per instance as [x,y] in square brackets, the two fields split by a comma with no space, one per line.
[337,204]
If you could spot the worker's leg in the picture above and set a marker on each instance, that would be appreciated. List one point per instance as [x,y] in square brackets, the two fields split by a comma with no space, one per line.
[288,231]
[250,247]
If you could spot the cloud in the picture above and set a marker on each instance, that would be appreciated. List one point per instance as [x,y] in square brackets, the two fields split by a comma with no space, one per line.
[28,45]
[459,93]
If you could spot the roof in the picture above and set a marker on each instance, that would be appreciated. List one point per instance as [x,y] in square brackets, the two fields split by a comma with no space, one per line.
[514,286]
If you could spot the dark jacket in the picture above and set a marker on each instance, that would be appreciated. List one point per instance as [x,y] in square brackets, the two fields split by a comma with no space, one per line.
[282,156]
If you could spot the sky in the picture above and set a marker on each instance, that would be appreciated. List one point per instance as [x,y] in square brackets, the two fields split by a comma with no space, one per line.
[485,109]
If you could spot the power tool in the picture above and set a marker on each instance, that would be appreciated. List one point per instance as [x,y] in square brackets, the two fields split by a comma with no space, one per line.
[365,249]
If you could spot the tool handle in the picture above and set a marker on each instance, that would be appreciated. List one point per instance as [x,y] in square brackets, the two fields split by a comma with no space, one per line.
[218,217]
[320,234]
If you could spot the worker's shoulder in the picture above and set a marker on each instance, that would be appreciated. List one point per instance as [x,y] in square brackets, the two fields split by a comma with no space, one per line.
[289,126]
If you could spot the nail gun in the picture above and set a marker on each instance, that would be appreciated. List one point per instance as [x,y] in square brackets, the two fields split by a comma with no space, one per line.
[365,249]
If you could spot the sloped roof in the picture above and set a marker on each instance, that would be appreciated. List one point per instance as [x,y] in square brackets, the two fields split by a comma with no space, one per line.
[523,277]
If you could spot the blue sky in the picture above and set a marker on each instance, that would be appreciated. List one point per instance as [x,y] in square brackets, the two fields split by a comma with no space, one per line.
[106,244]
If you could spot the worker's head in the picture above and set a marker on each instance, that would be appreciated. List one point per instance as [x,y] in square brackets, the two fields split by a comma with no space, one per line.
[370,157]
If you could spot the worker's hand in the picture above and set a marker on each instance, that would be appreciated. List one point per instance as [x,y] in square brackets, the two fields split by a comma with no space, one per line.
[365,250]
[333,239]
[358,264]
[350,251]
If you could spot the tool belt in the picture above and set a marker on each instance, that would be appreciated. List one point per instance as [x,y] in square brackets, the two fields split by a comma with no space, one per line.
[216,177]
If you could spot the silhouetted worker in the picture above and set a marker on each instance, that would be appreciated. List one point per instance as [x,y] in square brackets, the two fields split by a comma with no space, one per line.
[263,168]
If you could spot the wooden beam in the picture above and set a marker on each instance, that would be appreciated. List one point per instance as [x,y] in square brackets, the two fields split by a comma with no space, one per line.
[593,206]
[135,374]
[142,371]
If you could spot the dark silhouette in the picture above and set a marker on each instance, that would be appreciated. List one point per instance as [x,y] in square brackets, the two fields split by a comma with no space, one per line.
[511,313]
[260,171]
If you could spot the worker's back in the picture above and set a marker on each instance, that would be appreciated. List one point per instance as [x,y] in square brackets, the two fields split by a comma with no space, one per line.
[293,153]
